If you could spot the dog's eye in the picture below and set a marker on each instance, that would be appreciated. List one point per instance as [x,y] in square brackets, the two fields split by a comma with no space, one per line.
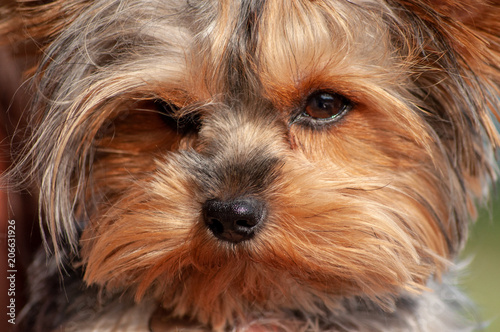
[326,106]
[183,125]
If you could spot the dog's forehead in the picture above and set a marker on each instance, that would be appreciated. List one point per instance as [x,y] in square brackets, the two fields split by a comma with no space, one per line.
[279,49]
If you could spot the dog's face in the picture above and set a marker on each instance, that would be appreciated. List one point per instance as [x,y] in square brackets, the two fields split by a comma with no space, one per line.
[232,158]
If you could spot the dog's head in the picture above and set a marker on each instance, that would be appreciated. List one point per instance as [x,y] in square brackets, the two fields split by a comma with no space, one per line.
[229,157]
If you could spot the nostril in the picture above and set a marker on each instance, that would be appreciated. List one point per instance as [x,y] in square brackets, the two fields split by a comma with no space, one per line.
[245,223]
[215,225]
[234,220]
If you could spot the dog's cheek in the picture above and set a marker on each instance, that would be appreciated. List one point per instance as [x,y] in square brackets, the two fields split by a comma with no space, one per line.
[145,232]
[348,236]
[374,161]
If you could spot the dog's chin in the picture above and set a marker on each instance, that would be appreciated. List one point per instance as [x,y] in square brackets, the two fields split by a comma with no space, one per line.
[164,321]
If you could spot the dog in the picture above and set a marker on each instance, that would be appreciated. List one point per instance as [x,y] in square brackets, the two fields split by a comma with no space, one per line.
[301,165]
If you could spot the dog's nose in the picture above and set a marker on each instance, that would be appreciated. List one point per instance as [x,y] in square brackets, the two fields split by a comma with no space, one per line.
[234,221]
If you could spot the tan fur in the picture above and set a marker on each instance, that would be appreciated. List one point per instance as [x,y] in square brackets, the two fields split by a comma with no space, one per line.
[372,207]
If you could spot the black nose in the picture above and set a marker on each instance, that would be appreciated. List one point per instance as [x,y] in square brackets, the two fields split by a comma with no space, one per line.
[235,220]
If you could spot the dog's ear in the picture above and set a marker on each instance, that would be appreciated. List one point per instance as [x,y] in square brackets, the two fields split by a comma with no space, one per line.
[465,23]
[455,49]
[469,12]
[462,39]
[477,22]
[36,21]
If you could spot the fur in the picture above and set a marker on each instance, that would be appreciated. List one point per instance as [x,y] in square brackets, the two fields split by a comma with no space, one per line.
[364,214]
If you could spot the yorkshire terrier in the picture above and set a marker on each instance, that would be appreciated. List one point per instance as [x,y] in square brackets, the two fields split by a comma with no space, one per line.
[280,165]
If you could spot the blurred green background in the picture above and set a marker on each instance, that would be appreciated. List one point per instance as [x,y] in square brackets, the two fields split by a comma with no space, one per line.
[481,281]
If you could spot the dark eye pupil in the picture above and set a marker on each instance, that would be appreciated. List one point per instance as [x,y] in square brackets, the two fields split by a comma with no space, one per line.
[323,105]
